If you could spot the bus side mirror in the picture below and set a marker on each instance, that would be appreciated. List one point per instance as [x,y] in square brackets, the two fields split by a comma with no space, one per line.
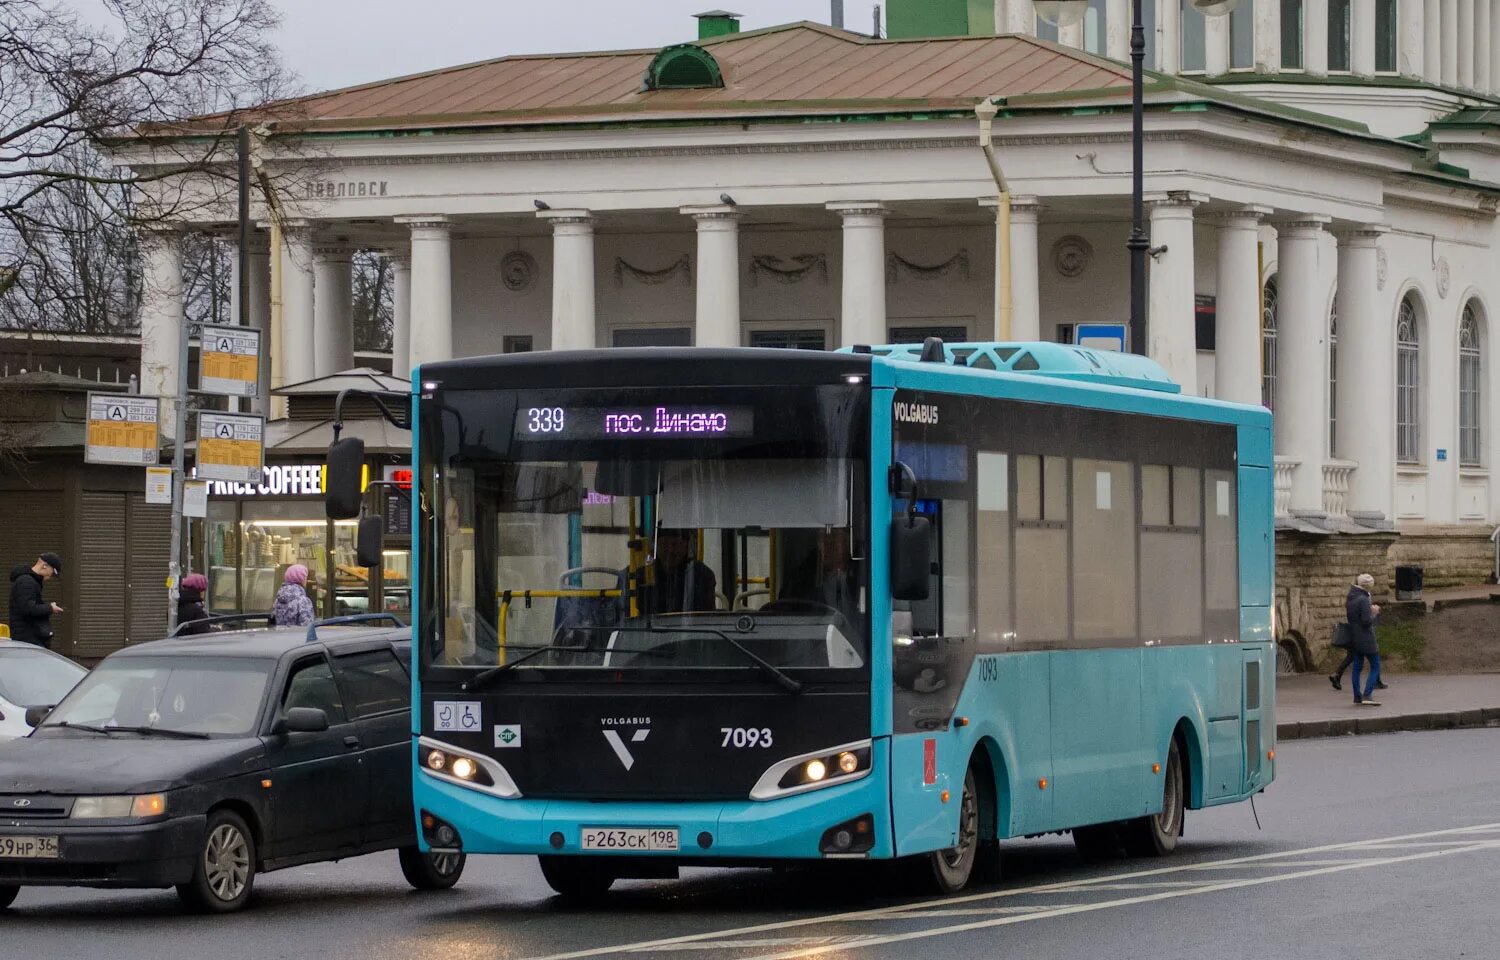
[346,464]
[911,557]
[369,541]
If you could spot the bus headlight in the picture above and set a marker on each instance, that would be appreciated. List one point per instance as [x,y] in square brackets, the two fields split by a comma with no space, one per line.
[811,771]
[451,765]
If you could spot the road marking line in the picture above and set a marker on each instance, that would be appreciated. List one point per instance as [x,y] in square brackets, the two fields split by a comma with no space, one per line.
[1132,901]
[849,941]
[1283,864]
[1152,885]
[967,911]
[997,894]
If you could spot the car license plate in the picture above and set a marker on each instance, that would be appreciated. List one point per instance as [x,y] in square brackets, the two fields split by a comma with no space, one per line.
[630,838]
[28,848]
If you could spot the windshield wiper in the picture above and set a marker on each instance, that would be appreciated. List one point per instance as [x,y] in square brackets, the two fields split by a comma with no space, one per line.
[77,726]
[792,684]
[163,731]
[159,731]
[483,677]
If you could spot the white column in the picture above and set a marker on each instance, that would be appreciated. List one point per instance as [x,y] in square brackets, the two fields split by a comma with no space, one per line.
[431,289]
[1362,37]
[1303,282]
[1171,326]
[1014,16]
[1117,29]
[333,321]
[718,275]
[1494,69]
[573,322]
[1466,43]
[1432,40]
[1365,378]
[400,262]
[1268,36]
[162,321]
[1168,35]
[1410,37]
[1449,61]
[1237,319]
[1025,270]
[862,318]
[1315,37]
[260,314]
[1215,46]
[1483,68]
[297,325]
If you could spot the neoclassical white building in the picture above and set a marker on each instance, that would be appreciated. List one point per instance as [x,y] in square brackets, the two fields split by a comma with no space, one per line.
[1322,179]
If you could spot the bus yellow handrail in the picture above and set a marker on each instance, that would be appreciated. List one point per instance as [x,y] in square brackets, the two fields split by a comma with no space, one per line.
[507,596]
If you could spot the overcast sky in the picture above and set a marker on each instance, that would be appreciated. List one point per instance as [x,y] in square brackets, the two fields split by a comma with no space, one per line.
[335,43]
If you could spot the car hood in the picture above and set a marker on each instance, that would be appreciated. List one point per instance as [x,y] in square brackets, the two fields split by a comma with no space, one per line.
[72,762]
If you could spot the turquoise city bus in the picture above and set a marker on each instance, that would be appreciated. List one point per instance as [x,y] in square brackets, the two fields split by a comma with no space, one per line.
[747,606]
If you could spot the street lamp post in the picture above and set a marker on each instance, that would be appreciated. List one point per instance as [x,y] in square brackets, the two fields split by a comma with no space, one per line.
[1064,13]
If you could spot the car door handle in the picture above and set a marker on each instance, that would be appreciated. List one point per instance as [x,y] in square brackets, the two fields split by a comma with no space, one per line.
[351,742]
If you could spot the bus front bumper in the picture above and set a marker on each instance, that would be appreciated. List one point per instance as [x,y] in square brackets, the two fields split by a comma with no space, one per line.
[787,828]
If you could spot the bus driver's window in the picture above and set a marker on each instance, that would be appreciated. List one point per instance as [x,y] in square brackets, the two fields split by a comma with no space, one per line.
[681,583]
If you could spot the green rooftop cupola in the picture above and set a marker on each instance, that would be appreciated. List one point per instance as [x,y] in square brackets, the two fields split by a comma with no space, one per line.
[717,23]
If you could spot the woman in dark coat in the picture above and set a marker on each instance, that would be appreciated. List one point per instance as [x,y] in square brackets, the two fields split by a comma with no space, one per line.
[1361,614]
[190,603]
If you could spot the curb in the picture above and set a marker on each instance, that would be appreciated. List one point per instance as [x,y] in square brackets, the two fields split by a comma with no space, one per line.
[1390,723]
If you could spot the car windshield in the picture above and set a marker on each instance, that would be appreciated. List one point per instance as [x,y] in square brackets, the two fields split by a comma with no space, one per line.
[578,545]
[213,695]
[31,677]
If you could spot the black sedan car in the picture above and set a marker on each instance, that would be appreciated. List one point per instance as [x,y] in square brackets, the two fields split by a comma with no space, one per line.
[197,763]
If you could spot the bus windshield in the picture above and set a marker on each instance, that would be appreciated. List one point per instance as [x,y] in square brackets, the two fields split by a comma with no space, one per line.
[603,534]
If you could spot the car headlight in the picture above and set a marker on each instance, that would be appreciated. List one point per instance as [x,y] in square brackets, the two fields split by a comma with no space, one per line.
[120,808]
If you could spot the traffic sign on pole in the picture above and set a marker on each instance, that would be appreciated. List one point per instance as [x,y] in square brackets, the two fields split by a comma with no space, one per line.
[229,361]
[231,446]
[124,429]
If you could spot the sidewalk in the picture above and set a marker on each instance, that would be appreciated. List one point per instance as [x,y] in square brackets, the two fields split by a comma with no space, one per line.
[1306,706]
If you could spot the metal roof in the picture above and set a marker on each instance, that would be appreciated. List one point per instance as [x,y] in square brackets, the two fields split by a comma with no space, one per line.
[798,68]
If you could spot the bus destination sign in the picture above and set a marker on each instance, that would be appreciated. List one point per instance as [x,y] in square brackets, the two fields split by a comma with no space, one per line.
[608,423]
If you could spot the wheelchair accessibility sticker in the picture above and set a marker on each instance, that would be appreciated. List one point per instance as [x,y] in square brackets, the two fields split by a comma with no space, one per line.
[456,715]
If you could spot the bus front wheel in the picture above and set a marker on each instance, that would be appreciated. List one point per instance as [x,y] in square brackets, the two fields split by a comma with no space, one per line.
[949,870]
[577,878]
[1155,835]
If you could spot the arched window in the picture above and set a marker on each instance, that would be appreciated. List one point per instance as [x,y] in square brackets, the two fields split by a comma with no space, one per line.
[1333,378]
[1470,387]
[1268,345]
[1408,383]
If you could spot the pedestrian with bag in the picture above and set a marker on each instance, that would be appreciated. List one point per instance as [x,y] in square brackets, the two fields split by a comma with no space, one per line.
[1361,614]
[30,615]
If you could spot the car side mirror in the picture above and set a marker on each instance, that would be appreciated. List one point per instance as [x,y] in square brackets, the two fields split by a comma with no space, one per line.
[369,541]
[35,715]
[345,483]
[303,720]
[911,557]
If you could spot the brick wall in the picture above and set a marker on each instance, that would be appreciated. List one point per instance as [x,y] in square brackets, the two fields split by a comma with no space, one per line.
[1313,575]
[1450,556]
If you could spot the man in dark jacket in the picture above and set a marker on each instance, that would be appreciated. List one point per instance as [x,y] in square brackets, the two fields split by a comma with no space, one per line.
[1361,614]
[30,616]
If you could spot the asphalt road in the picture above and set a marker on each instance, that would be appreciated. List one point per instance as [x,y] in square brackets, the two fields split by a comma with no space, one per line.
[1369,847]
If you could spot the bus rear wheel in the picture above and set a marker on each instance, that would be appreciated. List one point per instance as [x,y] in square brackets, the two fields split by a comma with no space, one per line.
[1155,835]
[948,871]
[585,879]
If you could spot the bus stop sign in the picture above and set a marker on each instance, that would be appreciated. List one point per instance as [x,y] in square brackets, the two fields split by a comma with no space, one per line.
[1101,336]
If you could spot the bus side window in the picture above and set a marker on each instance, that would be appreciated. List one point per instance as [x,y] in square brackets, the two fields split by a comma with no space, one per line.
[1041,560]
[992,552]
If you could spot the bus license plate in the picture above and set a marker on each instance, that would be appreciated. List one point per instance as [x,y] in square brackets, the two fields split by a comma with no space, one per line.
[630,838]
[28,848]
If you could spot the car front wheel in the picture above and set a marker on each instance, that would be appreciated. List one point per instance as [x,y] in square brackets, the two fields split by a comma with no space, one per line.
[431,871]
[224,870]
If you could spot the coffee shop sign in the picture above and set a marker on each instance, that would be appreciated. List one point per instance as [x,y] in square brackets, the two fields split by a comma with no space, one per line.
[282,480]
[333,189]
